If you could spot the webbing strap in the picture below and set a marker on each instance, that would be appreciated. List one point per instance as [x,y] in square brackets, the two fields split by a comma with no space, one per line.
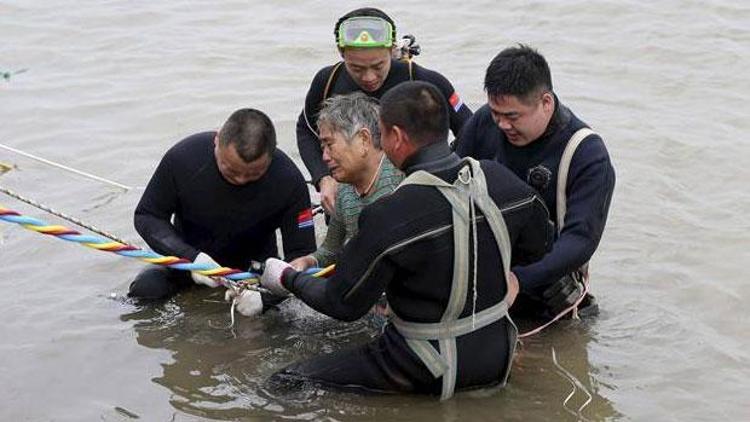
[329,82]
[562,173]
[326,92]
[335,71]
[460,284]
[430,357]
[450,329]
[495,219]
[469,188]
[561,197]
[490,210]
[457,197]
[450,355]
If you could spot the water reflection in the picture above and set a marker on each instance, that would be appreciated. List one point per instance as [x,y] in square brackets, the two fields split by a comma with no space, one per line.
[221,373]
[553,373]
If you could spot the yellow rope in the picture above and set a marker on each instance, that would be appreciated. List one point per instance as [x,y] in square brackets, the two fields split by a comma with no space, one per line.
[325,271]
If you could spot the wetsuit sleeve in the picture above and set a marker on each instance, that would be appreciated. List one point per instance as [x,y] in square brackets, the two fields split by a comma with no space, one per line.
[307,137]
[464,146]
[590,187]
[362,273]
[154,213]
[536,235]
[458,112]
[477,137]
[297,227]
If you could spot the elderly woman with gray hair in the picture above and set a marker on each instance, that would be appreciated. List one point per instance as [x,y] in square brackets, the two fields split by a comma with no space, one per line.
[350,141]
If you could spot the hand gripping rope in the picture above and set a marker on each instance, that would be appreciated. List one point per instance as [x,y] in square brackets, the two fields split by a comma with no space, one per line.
[229,277]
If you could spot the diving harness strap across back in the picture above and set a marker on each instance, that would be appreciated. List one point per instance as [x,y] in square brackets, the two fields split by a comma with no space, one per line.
[561,202]
[562,181]
[465,194]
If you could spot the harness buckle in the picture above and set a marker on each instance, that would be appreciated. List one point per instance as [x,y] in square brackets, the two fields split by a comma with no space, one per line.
[464,175]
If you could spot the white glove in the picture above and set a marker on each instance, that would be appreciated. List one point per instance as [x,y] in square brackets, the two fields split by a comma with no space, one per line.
[271,278]
[248,302]
[200,278]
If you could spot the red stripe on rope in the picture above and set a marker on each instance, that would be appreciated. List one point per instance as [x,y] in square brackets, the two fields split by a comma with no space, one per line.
[119,248]
[129,248]
[232,272]
[63,232]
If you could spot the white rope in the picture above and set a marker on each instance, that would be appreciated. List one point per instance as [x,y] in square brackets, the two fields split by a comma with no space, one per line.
[66,168]
[52,211]
[231,312]
[573,308]
[576,386]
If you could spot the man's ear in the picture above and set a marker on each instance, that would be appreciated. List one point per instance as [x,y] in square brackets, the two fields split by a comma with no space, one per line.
[400,138]
[548,102]
[403,145]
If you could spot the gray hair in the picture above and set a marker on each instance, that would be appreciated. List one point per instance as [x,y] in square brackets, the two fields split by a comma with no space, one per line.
[347,114]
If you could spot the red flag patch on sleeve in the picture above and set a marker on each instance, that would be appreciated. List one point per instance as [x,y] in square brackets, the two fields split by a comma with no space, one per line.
[455,102]
[305,218]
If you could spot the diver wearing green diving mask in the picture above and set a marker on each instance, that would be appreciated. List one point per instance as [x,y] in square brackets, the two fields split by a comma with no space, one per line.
[366,40]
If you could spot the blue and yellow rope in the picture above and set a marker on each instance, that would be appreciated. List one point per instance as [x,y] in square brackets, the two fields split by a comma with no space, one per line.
[229,277]
[130,251]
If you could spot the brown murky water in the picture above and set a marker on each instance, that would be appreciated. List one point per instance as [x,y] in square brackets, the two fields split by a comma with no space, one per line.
[112,85]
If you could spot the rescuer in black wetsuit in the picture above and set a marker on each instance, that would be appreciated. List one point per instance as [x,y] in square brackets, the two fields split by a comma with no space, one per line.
[524,127]
[365,38]
[227,193]
[411,246]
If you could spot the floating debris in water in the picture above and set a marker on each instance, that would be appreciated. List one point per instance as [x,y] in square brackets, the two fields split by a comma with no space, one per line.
[4,168]
[8,74]
[126,412]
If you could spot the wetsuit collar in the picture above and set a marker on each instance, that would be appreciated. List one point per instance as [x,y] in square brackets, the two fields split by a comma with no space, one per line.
[431,158]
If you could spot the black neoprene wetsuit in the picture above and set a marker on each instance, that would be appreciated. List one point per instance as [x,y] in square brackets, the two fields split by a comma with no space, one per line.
[589,187]
[232,224]
[390,253]
[307,138]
